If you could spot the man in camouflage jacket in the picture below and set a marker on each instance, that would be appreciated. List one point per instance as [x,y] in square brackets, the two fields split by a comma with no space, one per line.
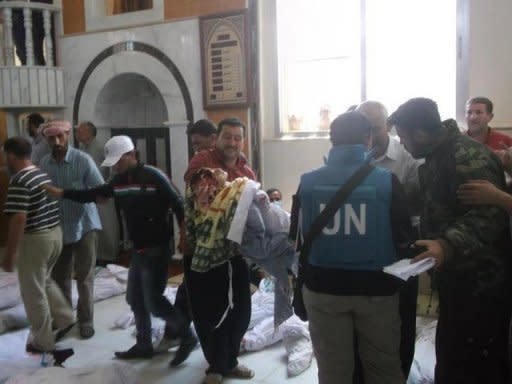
[468,243]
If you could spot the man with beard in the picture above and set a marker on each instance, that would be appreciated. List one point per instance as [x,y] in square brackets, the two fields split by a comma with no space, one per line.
[71,168]
[220,334]
[470,245]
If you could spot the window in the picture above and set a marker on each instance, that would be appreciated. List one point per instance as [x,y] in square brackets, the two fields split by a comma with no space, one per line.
[334,54]
[114,14]
[115,7]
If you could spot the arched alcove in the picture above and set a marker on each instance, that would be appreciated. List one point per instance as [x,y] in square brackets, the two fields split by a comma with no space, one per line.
[130,100]
[133,57]
[131,104]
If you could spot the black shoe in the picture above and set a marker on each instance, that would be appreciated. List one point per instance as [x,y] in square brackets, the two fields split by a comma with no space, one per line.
[61,355]
[187,345]
[135,352]
[63,332]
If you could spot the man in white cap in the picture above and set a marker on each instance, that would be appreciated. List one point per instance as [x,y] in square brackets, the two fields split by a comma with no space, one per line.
[145,195]
[71,168]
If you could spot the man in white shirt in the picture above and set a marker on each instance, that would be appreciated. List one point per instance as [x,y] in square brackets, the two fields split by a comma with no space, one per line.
[390,154]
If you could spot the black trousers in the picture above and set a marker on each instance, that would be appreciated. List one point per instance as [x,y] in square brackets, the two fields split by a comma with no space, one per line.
[472,339]
[208,293]
[407,308]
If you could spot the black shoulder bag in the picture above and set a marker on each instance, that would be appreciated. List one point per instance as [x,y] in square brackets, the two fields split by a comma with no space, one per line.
[318,225]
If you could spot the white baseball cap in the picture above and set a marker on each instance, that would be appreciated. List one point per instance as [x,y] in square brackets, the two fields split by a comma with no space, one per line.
[116,147]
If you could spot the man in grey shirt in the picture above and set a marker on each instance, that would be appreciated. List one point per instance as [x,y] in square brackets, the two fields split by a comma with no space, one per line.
[390,154]
[87,142]
[108,239]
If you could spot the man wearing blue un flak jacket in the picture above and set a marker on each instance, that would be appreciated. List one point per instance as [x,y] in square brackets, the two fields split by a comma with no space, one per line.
[345,290]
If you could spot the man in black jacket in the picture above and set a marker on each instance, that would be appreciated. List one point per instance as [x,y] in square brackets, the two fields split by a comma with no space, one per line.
[145,195]
[470,244]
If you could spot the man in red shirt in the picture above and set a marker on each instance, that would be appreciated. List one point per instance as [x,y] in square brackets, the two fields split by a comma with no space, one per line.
[208,291]
[227,153]
[478,115]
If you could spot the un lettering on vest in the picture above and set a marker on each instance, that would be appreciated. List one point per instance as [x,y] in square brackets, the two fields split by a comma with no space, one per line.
[352,219]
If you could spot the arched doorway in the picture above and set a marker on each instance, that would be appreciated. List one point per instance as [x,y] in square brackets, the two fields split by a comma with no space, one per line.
[130,104]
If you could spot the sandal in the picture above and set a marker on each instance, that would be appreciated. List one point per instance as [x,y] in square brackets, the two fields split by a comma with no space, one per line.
[241,372]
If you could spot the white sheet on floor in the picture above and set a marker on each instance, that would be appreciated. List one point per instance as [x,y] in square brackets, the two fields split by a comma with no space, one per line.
[120,273]
[126,319]
[298,345]
[424,363]
[9,290]
[262,335]
[295,335]
[262,304]
[105,285]
[13,318]
[109,373]
[13,358]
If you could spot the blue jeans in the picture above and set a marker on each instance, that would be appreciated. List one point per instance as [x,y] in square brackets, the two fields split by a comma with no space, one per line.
[147,279]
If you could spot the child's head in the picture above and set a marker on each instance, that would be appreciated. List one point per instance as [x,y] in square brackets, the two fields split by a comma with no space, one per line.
[205,183]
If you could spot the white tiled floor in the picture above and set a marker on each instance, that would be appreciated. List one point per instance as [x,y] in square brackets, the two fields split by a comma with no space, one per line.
[269,364]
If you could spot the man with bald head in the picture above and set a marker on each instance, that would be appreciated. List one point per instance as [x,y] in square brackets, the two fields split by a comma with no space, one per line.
[390,154]
[71,168]
[86,136]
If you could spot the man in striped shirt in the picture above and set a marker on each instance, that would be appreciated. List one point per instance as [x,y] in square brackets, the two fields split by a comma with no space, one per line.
[35,236]
[71,168]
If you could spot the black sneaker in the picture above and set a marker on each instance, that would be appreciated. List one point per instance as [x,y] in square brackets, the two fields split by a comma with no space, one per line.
[135,352]
[187,345]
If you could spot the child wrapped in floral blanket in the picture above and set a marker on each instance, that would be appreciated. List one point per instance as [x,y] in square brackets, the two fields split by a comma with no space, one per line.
[228,218]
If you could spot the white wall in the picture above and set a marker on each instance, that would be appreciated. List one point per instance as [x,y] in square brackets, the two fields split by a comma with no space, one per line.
[285,160]
[490,56]
[484,69]
[178,40]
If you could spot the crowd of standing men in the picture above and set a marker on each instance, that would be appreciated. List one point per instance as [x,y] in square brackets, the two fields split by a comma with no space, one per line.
[362,321]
